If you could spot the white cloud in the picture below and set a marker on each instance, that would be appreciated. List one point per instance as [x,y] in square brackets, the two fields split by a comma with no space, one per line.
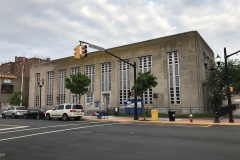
[53,27]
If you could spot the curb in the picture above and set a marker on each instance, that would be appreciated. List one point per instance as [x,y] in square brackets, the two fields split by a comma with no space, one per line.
[165,123]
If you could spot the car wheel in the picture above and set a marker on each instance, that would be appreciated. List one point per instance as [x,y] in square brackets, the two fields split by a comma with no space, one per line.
[77,118]
[3,115]
[38,116]
[13,115]
[65,117]
[48,117]
[24,116]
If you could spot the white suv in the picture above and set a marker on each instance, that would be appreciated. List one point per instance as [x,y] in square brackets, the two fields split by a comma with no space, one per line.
[14,112]
[65,111]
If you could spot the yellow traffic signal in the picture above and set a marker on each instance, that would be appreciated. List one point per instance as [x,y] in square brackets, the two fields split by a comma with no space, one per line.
[77,52]
[231,89]
[83,51]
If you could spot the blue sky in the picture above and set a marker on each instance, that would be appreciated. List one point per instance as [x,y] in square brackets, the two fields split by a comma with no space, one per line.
[52,28]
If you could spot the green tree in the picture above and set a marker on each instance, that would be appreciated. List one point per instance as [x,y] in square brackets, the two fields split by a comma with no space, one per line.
[216,84]
[144,81]
[78,84]
[15,98]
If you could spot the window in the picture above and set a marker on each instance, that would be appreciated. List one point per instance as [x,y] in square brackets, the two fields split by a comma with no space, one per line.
[89,98]
[77,107]
[61,86]
[145,65]
[37,89]
[68,107]
[106,76]
[124,82]
[173,75]
[60,107]
[7,88]
[74,97]
[89,70]
[75,70]
[50,82]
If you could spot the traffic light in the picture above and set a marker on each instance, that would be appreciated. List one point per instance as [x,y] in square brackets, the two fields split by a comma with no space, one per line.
[231,89]
[77,52]
[83,50]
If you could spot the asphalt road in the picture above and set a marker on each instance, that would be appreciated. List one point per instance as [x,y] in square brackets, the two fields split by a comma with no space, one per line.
[72,140]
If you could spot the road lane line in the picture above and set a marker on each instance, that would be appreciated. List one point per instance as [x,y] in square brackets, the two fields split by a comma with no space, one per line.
[13,128]
[56,131]
[37,128]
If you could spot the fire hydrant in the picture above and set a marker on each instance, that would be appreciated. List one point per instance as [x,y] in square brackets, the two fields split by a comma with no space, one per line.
[191,118]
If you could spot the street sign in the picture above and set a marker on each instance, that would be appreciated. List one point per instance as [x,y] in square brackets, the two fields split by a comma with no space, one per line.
[96,47]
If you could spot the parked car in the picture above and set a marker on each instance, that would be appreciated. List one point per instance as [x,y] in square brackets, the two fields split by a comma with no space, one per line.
[65,111]
[14,111]
[36,113]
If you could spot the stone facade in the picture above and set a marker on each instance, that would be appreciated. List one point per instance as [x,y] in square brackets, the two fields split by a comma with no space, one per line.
[189,48]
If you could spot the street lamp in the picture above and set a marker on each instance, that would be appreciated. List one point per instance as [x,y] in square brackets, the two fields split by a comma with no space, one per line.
[212,69]
[40,84]
[231,120]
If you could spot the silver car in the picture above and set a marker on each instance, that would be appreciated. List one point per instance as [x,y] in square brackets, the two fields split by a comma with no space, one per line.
[14,111]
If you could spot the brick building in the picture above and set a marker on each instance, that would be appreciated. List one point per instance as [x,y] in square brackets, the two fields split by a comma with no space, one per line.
[11,77]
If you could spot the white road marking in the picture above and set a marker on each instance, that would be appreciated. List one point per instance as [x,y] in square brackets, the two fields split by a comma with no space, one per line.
[55,131]
[13,128]
[35,128]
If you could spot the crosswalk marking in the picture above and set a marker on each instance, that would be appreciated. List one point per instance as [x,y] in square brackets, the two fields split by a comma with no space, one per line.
[56,131]
[3,129]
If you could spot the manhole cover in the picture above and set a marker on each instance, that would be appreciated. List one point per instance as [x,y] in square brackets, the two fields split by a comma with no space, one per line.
[2,154]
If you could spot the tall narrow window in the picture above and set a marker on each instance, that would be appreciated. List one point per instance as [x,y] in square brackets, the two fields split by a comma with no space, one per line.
[61,86]
[90,70]
[74,97]
[124,81]
[173,75]
[75,70]
[106,76]
[50,82]
[37,89]
[145,65]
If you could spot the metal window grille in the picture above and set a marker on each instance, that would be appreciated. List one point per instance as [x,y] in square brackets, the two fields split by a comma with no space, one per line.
[89,70]
[61,86]
[50,82]
[145,65]
[124,82]
[174,77]
[75,97]
[37,89]
[106,76]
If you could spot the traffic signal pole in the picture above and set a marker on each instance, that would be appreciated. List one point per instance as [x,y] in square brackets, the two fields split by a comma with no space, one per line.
[231,120]
[134,70]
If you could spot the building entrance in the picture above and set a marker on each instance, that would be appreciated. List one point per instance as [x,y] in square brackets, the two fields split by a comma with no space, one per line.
[106,101]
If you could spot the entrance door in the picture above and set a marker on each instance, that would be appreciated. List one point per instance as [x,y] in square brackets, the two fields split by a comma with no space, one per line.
[105,101]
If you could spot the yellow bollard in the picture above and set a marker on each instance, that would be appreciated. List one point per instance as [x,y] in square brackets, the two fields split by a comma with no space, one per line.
[154,113]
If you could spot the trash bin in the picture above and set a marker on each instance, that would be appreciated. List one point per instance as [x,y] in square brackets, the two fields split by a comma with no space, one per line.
[154,114]
[171,115]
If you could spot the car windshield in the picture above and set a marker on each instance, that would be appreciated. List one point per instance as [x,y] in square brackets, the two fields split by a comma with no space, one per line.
[77,107]
[21,108]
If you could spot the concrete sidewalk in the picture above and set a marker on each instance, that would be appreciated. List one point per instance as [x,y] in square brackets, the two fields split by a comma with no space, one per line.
[178,121]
